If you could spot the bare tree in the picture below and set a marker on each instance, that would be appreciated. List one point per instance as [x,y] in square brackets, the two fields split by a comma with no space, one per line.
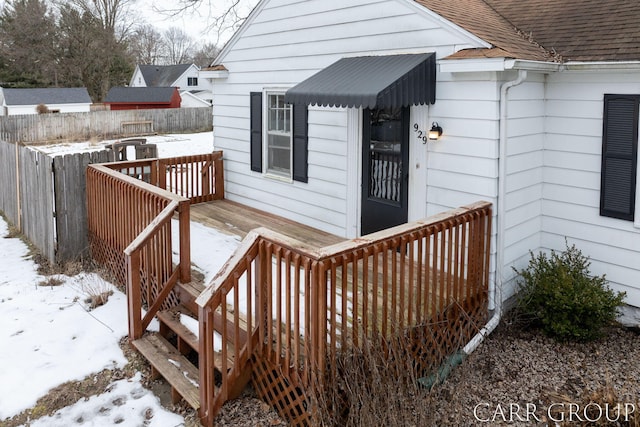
[204,56]
[147,45]
[89,54]
[223,16]
[112,14]
[179,46]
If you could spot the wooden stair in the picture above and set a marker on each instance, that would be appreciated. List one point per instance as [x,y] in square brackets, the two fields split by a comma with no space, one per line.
[167,361]
[167,351]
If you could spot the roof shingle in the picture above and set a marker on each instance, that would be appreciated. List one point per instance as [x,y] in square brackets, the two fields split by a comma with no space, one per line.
[162,75]
[50,95]
[146,95]
[549,30]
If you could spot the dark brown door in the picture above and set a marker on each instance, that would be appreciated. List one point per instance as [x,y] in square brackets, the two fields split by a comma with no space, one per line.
[385,176]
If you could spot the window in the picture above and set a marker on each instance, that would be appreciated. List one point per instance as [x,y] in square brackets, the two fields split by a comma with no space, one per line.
[192,81]
[619,156]
[278,138]
[278,144]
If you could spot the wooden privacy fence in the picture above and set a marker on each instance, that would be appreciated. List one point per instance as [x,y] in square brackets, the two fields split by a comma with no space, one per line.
[35,128]
[43,196]
[291,308]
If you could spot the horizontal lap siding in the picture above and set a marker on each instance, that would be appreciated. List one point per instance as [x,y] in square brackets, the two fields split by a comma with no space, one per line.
[462,166]
[525,160]
[572,157]
[287,42]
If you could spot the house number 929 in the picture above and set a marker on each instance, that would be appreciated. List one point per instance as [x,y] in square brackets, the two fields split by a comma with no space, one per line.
[420,134]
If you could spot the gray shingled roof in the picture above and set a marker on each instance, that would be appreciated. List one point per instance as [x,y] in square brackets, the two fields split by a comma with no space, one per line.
[47,96]
[140,94]
[162,75]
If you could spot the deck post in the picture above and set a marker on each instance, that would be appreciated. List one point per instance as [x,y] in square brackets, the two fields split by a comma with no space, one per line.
[162,174]
[134,295]
[218,169]
[185,241]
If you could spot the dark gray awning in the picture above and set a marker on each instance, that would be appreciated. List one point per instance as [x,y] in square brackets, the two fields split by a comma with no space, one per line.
[370,82]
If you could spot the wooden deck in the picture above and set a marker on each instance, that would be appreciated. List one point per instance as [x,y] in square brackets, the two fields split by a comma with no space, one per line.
[237,219]
[279,311]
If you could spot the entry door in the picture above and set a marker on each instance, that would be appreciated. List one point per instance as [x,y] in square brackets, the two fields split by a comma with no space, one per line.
[385,171]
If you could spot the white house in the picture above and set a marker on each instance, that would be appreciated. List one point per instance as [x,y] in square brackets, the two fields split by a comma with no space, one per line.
[57,100]
[186,77]
[324,108]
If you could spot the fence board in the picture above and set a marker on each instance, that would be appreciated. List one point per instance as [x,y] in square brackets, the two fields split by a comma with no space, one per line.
[8,200]
[71,205]
[36,195]
[37,128]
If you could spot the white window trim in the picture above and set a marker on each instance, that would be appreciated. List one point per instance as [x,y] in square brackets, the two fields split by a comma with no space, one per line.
[265,136]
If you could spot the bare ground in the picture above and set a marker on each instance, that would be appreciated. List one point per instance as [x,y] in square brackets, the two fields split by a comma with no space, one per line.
[512,379]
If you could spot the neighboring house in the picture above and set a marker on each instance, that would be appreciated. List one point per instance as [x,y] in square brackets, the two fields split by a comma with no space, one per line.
[538,103]
[186,77]
[139,98]
[57,100]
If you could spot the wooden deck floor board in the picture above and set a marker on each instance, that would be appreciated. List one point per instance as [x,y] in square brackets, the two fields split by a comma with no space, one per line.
[237,219]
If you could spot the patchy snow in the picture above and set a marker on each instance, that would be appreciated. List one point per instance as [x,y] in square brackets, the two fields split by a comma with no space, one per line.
[49,334]
[54,337]
[210,248]
[125,403]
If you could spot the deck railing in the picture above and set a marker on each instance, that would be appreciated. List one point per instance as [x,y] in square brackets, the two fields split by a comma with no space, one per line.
[129,225]
[290,308]
[197,177]
[130,207]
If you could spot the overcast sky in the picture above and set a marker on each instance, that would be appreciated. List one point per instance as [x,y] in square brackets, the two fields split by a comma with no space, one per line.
[194,22]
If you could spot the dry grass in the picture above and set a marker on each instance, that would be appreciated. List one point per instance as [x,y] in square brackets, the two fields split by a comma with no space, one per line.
[97,291]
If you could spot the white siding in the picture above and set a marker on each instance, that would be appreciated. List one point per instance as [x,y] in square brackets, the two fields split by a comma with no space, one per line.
[14,110]
[571,193]
[287,41]
[523,198]
[137,80]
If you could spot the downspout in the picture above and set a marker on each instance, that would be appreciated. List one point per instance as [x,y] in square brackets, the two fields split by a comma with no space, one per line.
[495,288]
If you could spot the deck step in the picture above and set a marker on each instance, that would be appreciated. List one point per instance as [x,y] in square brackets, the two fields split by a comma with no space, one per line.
[173,366]
[171,318]
[188,293]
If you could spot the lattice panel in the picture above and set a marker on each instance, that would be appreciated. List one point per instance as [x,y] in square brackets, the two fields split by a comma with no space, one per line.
[110,258]
[276,389]
[443,336]
[114,261]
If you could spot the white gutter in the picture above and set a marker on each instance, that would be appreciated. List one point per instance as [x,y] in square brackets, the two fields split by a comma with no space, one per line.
[476,65]
[495,289]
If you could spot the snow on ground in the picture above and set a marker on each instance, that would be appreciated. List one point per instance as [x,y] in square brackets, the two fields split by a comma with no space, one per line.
[126,403]
[168,145]
[49,335]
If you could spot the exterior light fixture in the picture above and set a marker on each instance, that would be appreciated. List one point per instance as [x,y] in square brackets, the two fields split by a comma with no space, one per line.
[435,131]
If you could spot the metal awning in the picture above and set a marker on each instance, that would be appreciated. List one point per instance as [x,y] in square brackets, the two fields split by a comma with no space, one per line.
[370,82]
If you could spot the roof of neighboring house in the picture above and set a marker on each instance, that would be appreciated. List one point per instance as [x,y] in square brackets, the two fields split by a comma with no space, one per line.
[548,30]
[142,95]
[162,75]
[52,95]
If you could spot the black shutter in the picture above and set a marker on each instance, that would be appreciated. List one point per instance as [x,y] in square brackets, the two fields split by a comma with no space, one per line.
[619,156]
[300,142]
[256,131]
